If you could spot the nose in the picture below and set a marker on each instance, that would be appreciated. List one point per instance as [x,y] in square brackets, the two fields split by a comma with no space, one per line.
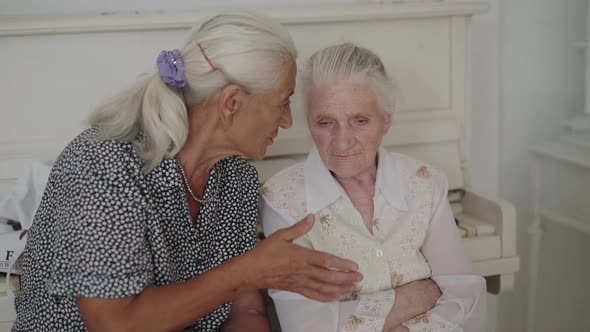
[286,120]
[344,139]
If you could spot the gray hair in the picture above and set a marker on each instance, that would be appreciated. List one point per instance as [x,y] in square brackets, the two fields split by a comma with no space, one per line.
[350,62]
[246,49]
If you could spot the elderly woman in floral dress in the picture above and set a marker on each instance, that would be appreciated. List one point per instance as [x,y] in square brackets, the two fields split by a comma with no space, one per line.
[385,211]
[148,221]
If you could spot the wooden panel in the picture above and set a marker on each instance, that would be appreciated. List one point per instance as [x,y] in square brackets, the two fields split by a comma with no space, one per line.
[66,87]
[442,155]
[74,62]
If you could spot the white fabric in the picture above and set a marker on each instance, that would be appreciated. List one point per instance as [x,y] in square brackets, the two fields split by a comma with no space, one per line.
[20,205]
[24,197]
[415,237]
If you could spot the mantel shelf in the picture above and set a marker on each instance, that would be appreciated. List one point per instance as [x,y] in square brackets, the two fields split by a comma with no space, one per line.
[574,149]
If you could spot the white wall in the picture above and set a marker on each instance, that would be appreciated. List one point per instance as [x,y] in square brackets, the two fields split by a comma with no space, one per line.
[541,82]
[485,92]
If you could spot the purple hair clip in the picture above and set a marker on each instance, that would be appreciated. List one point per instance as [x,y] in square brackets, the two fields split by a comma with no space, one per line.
[171,68]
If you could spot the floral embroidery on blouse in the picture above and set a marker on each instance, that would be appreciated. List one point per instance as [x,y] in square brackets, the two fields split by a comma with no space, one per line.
[326,219]
[376,223]
[422,318]
[423,172]
[352,323]
[396,279]
[327,223]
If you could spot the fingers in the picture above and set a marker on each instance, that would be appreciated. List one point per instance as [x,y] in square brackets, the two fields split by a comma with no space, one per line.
[328,261]
[297,230]
[335,277]
[329,288]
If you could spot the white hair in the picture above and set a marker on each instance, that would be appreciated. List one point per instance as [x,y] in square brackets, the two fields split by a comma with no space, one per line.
[350,62]
[246,49]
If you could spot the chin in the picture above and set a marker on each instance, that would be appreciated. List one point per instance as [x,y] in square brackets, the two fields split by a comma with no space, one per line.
[347,168]
[258,155]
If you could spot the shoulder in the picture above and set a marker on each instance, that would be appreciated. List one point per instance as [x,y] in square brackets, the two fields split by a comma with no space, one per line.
[292,175]
[238,168]
[90,150]
[237,176]
[285,192]
[94,164]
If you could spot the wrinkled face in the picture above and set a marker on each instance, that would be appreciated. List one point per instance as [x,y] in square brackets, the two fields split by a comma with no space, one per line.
[346,126]
[264,114]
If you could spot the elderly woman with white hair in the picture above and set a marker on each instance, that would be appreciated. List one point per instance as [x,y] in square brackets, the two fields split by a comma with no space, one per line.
[149,216]
[385,211]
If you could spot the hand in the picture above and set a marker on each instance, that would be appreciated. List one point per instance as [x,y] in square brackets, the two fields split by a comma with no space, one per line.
[411,300]
[399,328]
[277,263]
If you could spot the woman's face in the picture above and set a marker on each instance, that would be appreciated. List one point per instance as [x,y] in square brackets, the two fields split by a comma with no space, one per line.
[264,114]
[346,126]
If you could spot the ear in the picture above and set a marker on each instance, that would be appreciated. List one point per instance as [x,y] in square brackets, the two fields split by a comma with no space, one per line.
[388,116]
[231,100]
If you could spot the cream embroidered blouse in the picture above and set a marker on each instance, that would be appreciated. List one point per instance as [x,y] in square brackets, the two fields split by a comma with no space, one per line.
[414,237]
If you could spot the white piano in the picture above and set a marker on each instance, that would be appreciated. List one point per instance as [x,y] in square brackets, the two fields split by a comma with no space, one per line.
[425,48]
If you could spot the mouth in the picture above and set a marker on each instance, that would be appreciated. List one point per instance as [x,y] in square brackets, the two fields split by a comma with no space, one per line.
[341,156]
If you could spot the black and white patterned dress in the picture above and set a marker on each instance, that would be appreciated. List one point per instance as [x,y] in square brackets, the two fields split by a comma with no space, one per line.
[107,229]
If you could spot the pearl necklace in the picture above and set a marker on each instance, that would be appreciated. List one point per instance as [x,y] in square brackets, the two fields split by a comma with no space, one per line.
[198,200]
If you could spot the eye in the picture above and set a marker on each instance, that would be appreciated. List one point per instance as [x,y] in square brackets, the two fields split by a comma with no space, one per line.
[324,123]
[360,121]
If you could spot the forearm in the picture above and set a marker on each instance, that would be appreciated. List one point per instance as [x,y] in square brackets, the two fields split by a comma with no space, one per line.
[170,307]
[248,313]
[412,300]
[181,304]
[401,311]
[461,306]
[247,322]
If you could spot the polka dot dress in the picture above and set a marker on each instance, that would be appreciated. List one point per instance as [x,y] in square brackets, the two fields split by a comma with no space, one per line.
[107,229]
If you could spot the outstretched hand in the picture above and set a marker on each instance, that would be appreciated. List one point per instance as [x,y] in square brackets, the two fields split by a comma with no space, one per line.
[278,263]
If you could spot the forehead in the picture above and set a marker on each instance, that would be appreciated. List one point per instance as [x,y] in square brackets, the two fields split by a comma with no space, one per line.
[342,96]
[283,89]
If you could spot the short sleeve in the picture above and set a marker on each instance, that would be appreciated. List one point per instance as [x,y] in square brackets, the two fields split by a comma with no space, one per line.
[101,247]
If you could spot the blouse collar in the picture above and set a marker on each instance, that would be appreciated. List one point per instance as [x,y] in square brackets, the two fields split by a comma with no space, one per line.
[322,189]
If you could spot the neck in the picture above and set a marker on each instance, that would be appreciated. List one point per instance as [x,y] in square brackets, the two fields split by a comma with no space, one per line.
[205,145]
[365,179]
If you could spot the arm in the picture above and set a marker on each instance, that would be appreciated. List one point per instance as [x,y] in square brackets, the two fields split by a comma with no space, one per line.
[463,293]
[411,300]
[248,314]
[165,308]
[274,263]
